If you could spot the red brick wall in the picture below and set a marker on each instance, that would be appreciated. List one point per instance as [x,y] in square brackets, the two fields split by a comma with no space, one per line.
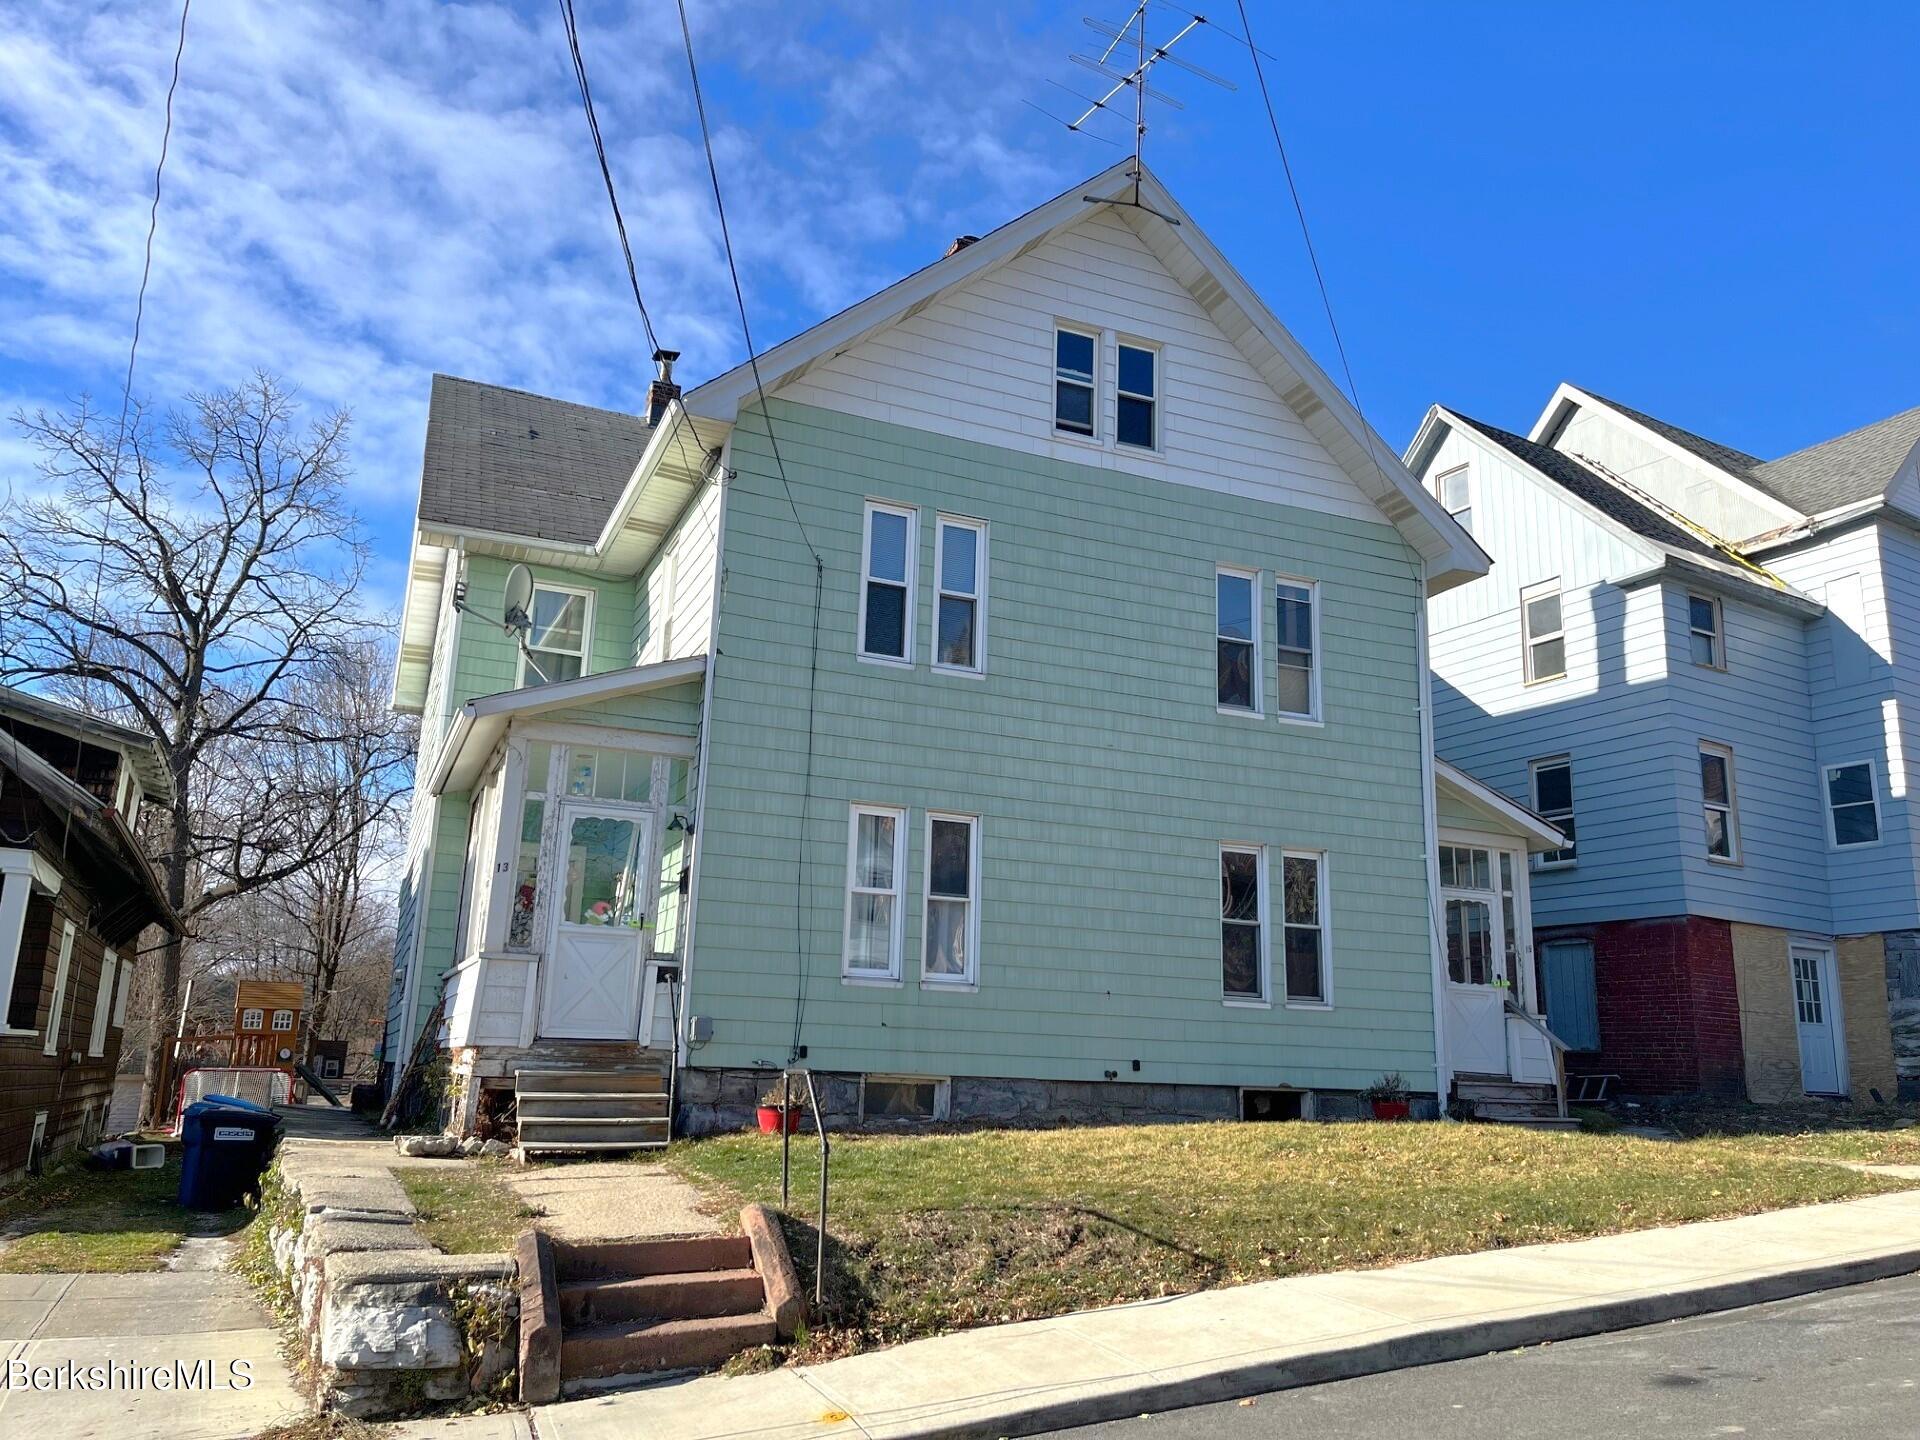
[1669,1013]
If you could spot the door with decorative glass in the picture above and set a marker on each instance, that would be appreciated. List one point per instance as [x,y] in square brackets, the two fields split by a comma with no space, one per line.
[597,949]
[1478,922]
[1815,998]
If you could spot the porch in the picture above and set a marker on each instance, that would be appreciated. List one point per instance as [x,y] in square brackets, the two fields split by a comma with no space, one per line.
[571,918]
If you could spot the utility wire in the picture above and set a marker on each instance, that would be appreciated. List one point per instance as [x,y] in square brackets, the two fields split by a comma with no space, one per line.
[153,225]
[819,565]
[1286,166]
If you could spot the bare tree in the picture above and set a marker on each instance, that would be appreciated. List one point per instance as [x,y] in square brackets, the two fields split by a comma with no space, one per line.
[183,577]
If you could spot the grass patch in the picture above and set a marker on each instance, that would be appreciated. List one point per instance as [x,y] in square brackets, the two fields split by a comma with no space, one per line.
[1809,1129]
[938,1232]
[465,1207]
[75,1220]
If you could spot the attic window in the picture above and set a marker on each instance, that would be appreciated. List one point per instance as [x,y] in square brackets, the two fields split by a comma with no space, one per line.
[1073,362]
[1137,411]
[1450,489]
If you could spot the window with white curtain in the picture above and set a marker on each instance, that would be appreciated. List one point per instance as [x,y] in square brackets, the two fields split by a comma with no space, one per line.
[876,872]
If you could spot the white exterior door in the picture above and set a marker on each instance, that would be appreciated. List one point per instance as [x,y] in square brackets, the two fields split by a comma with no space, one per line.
[1815,998]
[595,953]
[1475,927]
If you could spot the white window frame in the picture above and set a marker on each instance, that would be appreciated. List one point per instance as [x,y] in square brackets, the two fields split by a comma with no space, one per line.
[942,1094]
[120,995]
[1826,804]
[1724,752]
[1153,400]
[1325,927]
[586,629]
[1465,472]
[1259,665]
[1092,382]
[56,1009]
[276,1028]
[1264,1000]
[1534,767]
[258,1020]
[21,873]
[1528,640]
[1717,636]
[896,943]
[942,524]
[1312,715]
[37,1144]
[971,979]
[103,1003]
[912,567]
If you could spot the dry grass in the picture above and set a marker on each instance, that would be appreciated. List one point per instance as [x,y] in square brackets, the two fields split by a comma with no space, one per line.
[79,1221]
[1811,1129]
[937,1232]
[465,1207]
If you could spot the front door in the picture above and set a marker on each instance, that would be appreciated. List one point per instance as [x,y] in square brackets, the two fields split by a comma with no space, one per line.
[596,951]
[1814,998]
[1477,983]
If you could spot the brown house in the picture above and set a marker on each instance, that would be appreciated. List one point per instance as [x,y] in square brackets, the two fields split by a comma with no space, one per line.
[76,893]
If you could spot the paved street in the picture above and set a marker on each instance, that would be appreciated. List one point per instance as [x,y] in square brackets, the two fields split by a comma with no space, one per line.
[1837,1365]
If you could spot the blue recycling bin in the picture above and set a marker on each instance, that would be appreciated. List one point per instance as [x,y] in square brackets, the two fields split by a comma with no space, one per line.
[225,1148]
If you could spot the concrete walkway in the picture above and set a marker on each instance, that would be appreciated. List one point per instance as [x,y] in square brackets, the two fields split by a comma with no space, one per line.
[611,1200]
[1157,1355]
[170,1321]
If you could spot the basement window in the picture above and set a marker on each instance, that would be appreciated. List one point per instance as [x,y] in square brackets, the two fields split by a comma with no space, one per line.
[903,1097]
[1273,1104]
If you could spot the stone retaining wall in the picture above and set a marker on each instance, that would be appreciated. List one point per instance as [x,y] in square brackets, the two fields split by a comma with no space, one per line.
[388,1321]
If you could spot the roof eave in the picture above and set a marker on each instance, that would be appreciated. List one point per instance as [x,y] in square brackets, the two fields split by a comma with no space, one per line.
[1541,834]
[1673,564]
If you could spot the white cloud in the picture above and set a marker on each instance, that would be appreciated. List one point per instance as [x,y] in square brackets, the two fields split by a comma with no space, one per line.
[360,194]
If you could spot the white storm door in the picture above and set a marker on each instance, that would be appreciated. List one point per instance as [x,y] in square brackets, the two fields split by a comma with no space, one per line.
[1814,999]
[596,952]
[1476,997]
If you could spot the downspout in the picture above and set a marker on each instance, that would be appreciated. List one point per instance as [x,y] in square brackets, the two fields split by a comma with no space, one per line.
[683,1039]
[1443,1069]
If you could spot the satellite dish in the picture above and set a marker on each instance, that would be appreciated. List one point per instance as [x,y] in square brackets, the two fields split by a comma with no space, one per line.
[519,595]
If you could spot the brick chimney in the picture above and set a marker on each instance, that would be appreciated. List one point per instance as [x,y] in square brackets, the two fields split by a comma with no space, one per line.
[662,392]
[960,242]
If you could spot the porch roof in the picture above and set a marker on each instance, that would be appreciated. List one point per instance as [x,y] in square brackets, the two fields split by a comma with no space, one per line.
[479,724]
[1507,815]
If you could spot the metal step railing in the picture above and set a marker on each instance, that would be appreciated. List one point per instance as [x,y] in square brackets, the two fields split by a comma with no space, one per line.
[786,1172]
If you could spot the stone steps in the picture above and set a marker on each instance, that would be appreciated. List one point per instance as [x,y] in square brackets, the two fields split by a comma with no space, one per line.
[692,1295]
[656,1346]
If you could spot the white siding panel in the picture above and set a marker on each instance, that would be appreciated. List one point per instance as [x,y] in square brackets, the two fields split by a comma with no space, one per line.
[1683,481]
[673,601]
[978,365]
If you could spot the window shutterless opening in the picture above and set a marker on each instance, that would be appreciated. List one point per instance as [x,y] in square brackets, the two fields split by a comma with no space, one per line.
[952,928]
[903,1097]
[1266,1105]
[1297,635]
[1136,413]
[1236,629]
[1853,804]
[1552,781]
[559,635]
[1705,640]
[960,605]
[1451,489]
[1073,381]
[1718,804]
[876,874]
[1543,632]
[886,582]
[1243,923]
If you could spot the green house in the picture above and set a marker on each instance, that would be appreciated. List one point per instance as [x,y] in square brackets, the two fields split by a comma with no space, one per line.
[1009,703]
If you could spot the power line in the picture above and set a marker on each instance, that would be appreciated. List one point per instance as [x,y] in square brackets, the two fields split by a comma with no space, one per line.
[153,225]
[819,565]
[1299,210]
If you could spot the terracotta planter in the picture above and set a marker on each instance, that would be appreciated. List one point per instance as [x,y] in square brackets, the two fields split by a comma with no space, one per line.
[1392,1109]
[771,1115]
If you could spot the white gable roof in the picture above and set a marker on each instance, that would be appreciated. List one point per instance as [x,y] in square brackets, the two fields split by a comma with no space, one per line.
[1452,556]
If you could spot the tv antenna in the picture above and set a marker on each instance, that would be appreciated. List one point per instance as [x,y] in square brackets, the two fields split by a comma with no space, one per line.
[1127,60]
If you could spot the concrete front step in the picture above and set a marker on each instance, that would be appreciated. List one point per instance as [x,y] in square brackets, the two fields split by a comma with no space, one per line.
[691,1296]
[627,1259]
[635,1348]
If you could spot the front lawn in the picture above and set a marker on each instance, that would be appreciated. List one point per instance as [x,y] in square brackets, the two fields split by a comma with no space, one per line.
[86,1221]
[465,1207]
[1814,1129]
[943,1231]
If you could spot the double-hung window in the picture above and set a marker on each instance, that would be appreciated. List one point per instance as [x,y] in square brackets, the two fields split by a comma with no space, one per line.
[1243,924]
[1543,635]
[1853,804]
[1136,414]
[58,1009]
[557,639]
[1296,627]
[953,900]
[103,1003]
[876,871]
[960,610]
[1073,388]
[1717,803]
[886,583]
[1236,630]
[1303,907]
[1450,488]
[1704,637]
[1552,780]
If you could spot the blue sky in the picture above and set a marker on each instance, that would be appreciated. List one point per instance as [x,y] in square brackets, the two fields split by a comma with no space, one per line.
[1708,211]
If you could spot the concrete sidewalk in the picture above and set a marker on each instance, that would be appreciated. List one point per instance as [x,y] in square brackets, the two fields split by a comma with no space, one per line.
[1157,1355]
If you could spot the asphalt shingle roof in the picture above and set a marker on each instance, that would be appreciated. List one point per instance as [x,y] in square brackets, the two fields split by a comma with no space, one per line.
[1609,499]
[524,464]
[1851,467]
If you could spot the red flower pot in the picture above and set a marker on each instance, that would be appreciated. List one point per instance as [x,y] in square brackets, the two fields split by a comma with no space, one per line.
[1391,1109]
[771,1116]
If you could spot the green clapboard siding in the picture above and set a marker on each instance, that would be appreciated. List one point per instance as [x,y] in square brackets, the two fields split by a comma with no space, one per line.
[1094,753]
[1451,810]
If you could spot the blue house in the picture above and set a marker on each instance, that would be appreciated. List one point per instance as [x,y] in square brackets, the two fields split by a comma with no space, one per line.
[1701,666]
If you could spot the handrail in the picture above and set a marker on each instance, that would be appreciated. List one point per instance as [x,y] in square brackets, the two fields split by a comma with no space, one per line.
[786,1172]
[673,1048]
[1555,1043]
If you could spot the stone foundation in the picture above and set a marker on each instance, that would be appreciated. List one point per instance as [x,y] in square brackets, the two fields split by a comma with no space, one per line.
[712,1101]
[386,1320]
